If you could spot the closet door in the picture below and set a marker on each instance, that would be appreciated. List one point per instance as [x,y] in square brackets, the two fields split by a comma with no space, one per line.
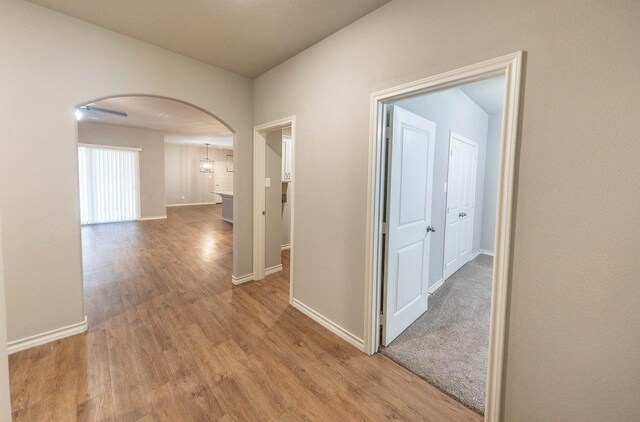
[461,197]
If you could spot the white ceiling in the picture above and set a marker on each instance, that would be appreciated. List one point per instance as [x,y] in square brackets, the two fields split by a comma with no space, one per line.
[247,37]
[183,124]
[488,94]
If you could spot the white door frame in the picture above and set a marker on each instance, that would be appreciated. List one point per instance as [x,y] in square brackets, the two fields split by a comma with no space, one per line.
[259,172]
[511,67]
[475,145]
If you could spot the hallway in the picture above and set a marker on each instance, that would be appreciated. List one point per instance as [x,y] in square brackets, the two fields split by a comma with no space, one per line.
[170,338]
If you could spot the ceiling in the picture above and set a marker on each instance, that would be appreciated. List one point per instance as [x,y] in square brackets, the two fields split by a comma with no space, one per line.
[488,94]
[247,37]
[181,123]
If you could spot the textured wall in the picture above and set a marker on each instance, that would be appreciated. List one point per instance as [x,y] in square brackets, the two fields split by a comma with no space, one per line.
[573,340]
[184,183]
[58,63]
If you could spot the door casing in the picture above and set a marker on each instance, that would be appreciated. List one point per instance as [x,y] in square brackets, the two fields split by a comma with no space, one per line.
[511,66]
[259,147]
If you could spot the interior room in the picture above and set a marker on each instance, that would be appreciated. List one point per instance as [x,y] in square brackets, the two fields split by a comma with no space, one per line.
[278,199]
[448,343]
[236,251]
[151,175]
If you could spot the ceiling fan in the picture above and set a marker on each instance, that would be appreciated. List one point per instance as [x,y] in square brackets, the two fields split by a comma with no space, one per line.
[92,109]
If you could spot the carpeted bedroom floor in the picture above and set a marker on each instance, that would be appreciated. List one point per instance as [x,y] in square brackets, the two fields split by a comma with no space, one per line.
[448,344]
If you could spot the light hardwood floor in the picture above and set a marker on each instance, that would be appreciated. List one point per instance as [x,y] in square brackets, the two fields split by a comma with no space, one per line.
[171,339]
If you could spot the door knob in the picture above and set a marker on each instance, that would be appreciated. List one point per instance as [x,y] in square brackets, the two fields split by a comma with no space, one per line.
[431,229]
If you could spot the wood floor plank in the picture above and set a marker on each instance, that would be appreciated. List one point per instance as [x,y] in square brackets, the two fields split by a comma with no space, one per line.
[171,339]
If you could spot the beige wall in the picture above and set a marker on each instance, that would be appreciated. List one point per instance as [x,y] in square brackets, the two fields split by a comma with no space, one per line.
[273,199]
[184,183]
[572,338]
[151,159]
[5,400]
[57,63]
[489,205]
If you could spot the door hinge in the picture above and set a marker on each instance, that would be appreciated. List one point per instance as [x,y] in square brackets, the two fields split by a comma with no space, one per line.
[387,132]
[385,227]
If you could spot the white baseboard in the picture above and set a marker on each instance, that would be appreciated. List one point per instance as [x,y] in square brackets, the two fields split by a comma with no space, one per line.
[49,336]
[191,203]
[158,217]
[329,325]
[272,270]
[436,286]
[487,252]
[242,279]
[285,247]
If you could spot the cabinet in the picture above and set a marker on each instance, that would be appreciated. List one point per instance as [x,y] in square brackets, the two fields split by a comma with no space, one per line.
[286,158]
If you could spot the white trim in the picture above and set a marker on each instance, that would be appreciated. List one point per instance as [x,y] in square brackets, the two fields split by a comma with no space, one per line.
[487,252]
[191,203]
[511,67]
[285,246]
[46,337]
[109,147]
[436,286]
[474,256]
[242,279]
[329,325]
[157,217]
[259,146]
[273,270]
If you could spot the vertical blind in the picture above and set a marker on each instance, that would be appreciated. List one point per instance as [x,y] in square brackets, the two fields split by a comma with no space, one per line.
[109,184]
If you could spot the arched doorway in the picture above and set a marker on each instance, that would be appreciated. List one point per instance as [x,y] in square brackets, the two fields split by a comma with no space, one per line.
[153,172]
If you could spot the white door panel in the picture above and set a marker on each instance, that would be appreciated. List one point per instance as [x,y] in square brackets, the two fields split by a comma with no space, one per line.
[461,196]
[410,191]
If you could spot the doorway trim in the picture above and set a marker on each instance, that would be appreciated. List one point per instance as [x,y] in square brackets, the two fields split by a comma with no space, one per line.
[511,66]
[259,172]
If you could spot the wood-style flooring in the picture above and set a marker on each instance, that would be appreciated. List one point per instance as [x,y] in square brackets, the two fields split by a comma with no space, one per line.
[170,339]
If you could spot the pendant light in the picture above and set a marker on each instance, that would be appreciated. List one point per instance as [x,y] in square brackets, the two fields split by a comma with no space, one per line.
[206,165]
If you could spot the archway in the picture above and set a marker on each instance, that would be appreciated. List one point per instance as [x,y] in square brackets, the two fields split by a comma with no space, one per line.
[176,240]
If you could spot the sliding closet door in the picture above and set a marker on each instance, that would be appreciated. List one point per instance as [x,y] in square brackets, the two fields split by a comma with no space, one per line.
[109,184]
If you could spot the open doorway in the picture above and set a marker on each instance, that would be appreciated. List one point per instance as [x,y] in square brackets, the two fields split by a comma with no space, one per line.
[443,162]
[154,175]
[273,199]
[443,153]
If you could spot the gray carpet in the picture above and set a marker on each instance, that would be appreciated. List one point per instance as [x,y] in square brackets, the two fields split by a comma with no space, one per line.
[448,344]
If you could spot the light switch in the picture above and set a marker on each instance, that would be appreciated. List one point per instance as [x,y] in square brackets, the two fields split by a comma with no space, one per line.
[267,182]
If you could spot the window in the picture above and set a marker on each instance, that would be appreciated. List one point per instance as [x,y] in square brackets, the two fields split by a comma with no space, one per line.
[109,184]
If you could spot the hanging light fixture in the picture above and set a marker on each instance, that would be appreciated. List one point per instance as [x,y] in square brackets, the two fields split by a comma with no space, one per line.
[206,165]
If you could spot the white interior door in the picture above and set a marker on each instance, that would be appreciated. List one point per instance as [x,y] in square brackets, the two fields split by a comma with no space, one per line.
[461,202]
[408,219]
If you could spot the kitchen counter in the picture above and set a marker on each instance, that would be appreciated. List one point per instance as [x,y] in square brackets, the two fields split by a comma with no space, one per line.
[227,204]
